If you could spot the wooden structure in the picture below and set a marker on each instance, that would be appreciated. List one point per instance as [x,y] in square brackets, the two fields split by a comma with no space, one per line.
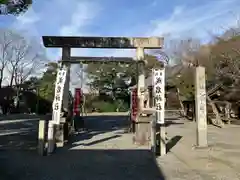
[226,100]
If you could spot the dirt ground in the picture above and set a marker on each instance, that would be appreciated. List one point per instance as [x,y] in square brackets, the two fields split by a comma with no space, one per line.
[219,161]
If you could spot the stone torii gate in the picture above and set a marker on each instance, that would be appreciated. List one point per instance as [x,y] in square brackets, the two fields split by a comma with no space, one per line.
[66,43]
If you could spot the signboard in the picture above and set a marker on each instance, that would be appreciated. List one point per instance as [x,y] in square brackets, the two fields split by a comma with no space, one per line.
[59,89]
[103,42]
[159,93]
[134,105]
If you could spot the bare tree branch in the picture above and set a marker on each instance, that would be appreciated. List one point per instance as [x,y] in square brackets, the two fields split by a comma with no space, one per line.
[21,57]
[5,51]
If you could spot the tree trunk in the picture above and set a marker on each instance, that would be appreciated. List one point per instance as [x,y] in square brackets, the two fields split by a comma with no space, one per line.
[182,113]
[1,77]
[217,120]
[11,81]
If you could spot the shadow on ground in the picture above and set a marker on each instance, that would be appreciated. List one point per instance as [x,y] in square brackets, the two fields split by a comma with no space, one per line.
[169,123]
[19,159]
[172,142]
[96,125]
[106,123]
[24,135]
[19,136]
[80,164]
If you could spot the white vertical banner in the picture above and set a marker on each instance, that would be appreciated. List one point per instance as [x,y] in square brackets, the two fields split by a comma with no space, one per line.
[58,97]
[158,77]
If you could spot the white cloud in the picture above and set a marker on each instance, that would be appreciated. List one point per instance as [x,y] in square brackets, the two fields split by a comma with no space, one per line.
[197,21]
[26,20]
[81,17]
[26,23]
[75,19]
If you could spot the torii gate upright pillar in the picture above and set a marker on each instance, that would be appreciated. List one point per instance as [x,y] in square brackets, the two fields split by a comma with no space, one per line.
[66,54]
[141,76]
[142,125]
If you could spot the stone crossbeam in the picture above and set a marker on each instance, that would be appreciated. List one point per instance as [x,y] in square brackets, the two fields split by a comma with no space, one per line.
[103,42]
[87,60]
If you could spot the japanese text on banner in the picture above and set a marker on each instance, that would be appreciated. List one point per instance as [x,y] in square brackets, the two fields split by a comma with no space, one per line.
[59,90]
[159,93]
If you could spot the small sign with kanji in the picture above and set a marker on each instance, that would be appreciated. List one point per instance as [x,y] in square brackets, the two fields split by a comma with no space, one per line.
[158,76]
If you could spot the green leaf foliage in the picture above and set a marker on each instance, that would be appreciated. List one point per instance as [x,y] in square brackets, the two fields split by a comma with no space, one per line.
[47,82]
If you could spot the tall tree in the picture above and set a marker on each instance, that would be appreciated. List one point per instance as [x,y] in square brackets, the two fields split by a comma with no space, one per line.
[47,82]
[114,78]
[5,51]
[21,57]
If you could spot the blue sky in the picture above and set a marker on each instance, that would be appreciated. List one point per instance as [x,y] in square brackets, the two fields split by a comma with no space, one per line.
[173,18]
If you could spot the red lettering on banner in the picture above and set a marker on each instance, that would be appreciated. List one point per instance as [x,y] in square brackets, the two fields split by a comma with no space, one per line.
[134,101]
[77,100]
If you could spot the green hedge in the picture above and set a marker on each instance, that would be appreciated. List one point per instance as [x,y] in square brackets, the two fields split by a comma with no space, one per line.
[103,106]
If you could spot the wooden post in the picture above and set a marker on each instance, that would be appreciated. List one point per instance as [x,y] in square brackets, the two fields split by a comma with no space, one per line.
[201,107]
[227,112]
[41,137]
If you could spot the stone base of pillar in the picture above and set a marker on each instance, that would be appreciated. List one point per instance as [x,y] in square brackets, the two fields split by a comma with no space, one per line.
[142,135]
[51,145]
[202,137]
[62,134]
[59,135]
